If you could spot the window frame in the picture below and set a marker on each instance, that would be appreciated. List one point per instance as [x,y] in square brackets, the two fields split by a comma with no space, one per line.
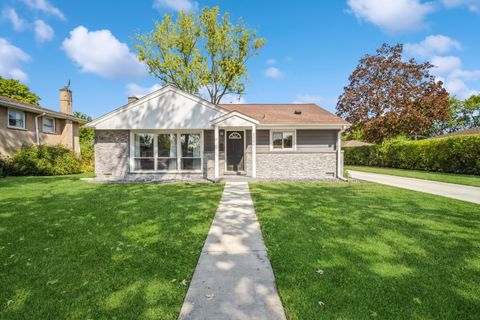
[24,119]
[179,157]
[54,125]
[283,131]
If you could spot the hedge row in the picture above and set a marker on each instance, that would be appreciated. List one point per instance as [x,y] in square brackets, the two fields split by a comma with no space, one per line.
[458,154]
[41,161]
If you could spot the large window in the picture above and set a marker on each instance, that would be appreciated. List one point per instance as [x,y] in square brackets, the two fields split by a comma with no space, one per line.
[144,159]
[48,125]
[170,151]
[282,140]
[190,144]
[16,119]
[167,151]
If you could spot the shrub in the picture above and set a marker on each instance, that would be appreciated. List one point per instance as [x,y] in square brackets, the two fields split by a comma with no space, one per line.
[44,161]
[458,154]
[3,167]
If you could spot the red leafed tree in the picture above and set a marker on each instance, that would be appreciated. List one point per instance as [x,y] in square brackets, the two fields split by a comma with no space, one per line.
[388,96]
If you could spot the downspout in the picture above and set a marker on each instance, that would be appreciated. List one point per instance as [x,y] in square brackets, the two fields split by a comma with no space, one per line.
[36,127]
[339,155]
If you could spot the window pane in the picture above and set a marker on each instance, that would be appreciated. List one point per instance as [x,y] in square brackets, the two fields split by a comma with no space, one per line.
[167,145]
[144,145]
[190,145]
[277,140]
[48,125]
[167,164]
[191,164]
[287,140]
[144,164]
[16,119]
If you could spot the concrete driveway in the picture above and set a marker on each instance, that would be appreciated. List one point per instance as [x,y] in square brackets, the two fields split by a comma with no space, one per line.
[450,190]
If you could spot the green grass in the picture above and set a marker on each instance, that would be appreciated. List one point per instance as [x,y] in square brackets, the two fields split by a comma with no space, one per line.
[385,253]
[76,250]
[468,180]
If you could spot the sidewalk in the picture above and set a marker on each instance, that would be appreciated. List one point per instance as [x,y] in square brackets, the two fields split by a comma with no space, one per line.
[450,190]
[233,278]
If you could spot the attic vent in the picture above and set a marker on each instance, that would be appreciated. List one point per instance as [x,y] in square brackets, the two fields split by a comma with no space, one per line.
[298,111]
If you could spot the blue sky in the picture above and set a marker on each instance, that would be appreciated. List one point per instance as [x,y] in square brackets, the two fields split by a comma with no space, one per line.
[312,46]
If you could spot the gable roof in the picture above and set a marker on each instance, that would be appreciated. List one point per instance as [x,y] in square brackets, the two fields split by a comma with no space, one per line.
[287,114]
[12,103]
[166,108]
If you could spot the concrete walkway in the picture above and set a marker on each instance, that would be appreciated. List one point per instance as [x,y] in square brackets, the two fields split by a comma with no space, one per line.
[450,190]
[233,278]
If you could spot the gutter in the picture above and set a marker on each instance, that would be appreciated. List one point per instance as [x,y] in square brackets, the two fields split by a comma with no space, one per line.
[42,111]
[36,127]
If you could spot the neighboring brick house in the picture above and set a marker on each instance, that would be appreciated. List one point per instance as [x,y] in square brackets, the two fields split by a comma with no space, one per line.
[170,134]
[24,124]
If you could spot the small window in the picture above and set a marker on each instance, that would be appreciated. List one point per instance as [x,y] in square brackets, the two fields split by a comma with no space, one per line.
[16,119]
[282,140]
[48,125]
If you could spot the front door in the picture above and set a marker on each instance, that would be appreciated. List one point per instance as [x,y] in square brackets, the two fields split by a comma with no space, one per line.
[235,150]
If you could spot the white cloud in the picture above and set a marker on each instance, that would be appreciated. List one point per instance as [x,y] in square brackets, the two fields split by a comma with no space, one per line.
[43,32]
[271,61]
[472,5]
[274,73]
[136,90]
[431,45]
[101,53]
[445,65]
[394,15]
[45,7]
[11,59]
[448,68]
[11,15]
[177,5]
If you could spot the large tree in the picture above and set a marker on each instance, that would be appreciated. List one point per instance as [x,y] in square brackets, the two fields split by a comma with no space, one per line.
[195,51]
[388,96]
[12,88]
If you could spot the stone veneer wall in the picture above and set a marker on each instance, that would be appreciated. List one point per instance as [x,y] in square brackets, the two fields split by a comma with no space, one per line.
[296,166]
[112,154]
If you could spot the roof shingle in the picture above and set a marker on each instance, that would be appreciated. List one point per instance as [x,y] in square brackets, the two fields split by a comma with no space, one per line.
[294,114]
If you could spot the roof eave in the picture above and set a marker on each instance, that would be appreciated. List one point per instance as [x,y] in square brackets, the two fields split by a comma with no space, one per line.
[55,114]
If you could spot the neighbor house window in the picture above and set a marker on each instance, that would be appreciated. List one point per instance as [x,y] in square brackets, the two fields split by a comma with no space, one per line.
[282,140]
[48,125]
[190,146]
[16,119]
[167,151]
[144,158]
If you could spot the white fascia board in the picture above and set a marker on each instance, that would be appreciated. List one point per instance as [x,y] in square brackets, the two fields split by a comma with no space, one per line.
[303,126]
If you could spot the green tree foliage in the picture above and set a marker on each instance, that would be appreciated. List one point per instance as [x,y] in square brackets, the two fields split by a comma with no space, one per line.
[464,114]
[86,142]
[12,88]
[197,51]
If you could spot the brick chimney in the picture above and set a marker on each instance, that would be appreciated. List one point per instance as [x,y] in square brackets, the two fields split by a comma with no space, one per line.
[66,100]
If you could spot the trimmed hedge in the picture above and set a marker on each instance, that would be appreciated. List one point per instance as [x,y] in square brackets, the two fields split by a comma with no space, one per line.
[458,154]
[43,161]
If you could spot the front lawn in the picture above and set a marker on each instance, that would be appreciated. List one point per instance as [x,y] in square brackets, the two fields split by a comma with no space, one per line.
[465,179]
[76,250]
[368,251]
